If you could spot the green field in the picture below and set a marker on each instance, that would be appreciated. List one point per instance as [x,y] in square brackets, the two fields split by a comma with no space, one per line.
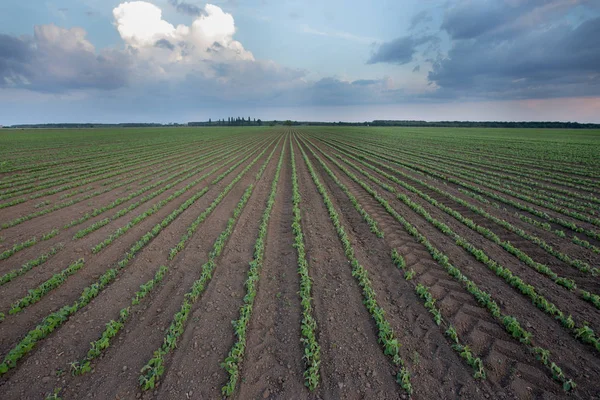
[299,262]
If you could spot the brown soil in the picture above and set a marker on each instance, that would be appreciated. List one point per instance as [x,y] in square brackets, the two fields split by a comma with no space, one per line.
[353,363]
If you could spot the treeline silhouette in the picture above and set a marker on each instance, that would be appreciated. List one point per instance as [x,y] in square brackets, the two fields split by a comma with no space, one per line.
[241,121]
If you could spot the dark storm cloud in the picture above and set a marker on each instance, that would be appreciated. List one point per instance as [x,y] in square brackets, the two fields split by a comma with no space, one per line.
[57,59]
[471,19]
[398,51]
[186,8]
[552,62]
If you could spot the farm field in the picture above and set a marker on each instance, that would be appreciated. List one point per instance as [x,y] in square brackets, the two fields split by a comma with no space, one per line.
[299,262]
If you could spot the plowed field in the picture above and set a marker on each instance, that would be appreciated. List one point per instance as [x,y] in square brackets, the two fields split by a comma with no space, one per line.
[299,262]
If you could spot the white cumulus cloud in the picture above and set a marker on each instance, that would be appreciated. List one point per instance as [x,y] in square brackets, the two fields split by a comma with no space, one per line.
[208,38]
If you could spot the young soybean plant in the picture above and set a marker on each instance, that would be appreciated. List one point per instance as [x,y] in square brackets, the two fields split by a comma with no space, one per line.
[387,336]
[236,355]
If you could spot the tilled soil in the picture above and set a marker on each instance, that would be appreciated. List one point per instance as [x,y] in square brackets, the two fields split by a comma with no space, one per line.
[353,361]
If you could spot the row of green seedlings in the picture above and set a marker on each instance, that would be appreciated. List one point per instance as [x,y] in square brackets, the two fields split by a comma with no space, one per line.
[510,323]
[539,200]
[308,327]
[584,333]
[527,186]
[540,224]
[586,244]
[150,176]
[65,187]
[68,203]
[194,225]
[26,244]
[18,247]
[538,179]
[54,320]
[35,295]
[155,367]
[28,170]
[97,225]
[23,164]
[56,207]
[429,302]
[156,207]
[113,327]
[422,291]
[114,169]
[386,334]
[234,359]
[29,265]
[38,186]
[563,257]
[504,167]
[432,172]
[579,264]
[373,226]
[68,169]
[541,268]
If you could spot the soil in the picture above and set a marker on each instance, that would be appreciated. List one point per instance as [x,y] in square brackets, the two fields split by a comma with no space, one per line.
[353,363]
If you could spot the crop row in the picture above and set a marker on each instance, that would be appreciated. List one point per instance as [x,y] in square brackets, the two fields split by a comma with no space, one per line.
[155,367]
[82,169]
[510,323]
[429,171]
[463,350]
[386,334]
[236,355]
[29,265]
[113,327]
[541,268]
[194,225]
[35,295]
[512,279]
[188,163]
[579,264]
[308,327]
[195,168]
[57,318]
[156,207]
[526,184]
[106,173]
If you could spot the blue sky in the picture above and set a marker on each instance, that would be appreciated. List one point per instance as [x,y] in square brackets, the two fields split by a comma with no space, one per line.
[178,61]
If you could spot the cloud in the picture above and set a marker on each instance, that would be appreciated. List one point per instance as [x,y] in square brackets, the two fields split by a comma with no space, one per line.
[469,19]
[420,18]
[546,61]
[164,44]
[186,8]
[399,51]
[208,39]
[57,59]
[337,34]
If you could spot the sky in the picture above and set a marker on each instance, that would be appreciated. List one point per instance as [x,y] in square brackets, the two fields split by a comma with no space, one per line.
[327,60]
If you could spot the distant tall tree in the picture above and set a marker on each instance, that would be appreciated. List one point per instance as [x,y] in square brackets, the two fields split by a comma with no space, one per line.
[209,121]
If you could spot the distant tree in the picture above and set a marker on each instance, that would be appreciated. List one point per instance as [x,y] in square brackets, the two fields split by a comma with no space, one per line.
[259,122]
[288,122]
[209,121]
